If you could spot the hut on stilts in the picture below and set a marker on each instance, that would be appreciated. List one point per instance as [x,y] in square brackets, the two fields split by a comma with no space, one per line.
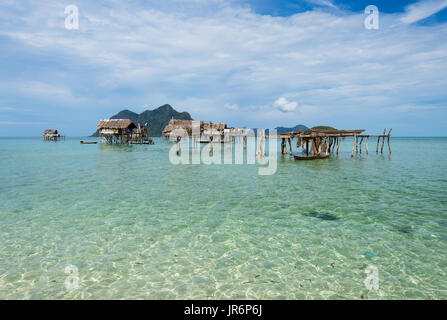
[122,131]
[177,129]
[52,135]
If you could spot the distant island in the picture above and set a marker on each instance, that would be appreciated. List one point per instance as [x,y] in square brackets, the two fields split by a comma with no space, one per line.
[295,128]
[156,119]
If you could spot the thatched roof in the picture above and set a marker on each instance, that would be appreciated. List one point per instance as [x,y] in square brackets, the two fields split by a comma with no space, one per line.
[116,124]
[176,127]
[216,126]
[50,132]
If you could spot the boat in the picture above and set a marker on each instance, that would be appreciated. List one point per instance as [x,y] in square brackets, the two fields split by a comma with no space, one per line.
[88,142]
[317,156]
[144,142]
[208,141]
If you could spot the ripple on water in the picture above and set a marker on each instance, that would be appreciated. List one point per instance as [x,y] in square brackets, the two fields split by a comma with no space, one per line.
[137,227]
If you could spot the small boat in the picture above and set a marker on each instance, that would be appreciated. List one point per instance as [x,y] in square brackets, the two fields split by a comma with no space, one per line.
[208,141]
[317,156]
[144,142]
[88,142]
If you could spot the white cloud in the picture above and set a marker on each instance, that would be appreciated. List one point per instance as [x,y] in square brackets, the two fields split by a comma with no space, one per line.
[423,9]
[284,105]
[199,60]
[231,107]
[21,123]
[11,109]
[327,3]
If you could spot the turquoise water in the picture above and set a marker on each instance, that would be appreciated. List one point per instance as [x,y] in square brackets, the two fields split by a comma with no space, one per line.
[135,226]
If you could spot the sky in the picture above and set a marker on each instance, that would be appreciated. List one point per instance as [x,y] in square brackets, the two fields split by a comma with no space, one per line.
[253,63]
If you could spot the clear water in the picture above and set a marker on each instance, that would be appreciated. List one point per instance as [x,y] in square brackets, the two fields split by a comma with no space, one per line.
[136,226]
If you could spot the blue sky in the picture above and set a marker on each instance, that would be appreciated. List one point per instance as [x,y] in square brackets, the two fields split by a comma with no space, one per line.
[246,62]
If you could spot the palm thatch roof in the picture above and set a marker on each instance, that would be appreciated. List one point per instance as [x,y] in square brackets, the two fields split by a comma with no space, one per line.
[50,132]
[115,124]
[178,127]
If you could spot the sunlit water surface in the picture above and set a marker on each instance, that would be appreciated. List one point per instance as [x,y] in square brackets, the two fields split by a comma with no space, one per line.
[136,226]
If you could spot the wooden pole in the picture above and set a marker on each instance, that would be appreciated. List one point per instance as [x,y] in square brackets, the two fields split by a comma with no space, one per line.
[361,141]
[356,145]
[338,143]
[314,147]
[290,145]
[388,140]
[367,139]
[353,146]
[378,141]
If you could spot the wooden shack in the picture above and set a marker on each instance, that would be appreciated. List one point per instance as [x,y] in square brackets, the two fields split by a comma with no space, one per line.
[122,131]
[52,135]
[179,128]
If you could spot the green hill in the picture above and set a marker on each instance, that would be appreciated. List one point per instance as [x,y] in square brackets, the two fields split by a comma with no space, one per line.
[327,128]
[295,128]
[156,119]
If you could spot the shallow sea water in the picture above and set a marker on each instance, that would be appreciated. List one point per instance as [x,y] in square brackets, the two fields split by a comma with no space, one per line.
[137,227]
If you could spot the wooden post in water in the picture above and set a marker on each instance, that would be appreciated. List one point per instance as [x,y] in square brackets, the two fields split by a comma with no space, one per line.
[378,141]
[290,145]
[314,147]
[383,141]
[361,141]
[388,140]
[366,145]
[353,146]
[283,145]
[338,143]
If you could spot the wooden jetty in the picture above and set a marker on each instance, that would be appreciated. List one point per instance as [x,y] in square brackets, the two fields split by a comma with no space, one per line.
[316,142]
